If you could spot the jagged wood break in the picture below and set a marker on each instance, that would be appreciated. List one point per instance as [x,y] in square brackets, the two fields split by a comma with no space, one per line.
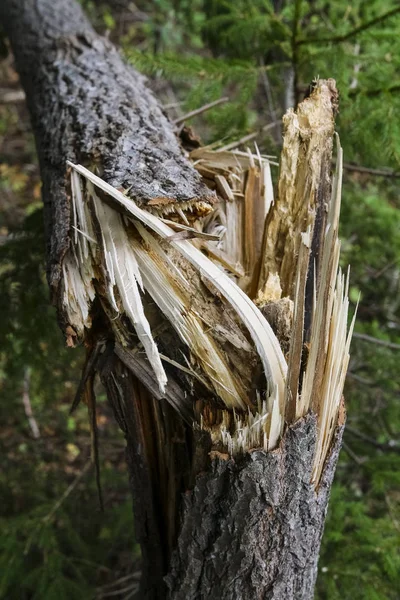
[125,253]
[215,315]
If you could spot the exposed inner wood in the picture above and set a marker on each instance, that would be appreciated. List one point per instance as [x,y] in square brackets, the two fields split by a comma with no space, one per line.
[304,184]
[114,246]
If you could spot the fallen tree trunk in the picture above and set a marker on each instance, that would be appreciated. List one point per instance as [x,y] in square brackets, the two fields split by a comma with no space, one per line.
[223,358]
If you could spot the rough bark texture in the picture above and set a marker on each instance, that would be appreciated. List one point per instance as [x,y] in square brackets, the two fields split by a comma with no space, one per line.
[87,106]
[251,528]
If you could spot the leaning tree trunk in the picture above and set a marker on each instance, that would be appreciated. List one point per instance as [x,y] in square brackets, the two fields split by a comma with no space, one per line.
[233,419]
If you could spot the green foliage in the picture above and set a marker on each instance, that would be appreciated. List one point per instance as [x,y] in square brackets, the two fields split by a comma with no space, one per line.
[205,80]
[45,550]
[30,335]
[359,526]
[371,232]
[245,29]
[243,36]
[48,553]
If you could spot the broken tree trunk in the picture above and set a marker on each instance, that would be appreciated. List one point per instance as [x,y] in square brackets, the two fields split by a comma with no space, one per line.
[215,316]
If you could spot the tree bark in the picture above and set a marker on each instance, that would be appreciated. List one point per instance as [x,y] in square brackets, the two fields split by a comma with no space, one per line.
[253,528]
[210,525]
[87,106]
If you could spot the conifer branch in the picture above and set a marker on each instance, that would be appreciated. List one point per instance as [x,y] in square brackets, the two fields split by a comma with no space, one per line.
[375,92]
[353,32]
[201,110]
[390,446]
[370,171]
[377,341]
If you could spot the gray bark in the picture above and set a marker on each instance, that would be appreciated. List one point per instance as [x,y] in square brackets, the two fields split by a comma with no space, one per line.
[252,528]
[88,106]
[215,527]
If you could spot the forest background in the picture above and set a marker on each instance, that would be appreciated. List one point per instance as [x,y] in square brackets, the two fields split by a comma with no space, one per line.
[260,57]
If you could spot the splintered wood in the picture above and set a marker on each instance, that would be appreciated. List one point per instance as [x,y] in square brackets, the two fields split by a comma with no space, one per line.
[225,332]
[248,296]
[243,183]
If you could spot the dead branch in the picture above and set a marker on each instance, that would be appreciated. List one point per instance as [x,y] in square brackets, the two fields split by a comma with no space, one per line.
[201,110]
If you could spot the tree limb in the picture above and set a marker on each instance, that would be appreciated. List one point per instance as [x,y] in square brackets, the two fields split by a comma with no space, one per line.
[85,96]
[374,340]
[201,110]
[393,89]
[345,36]
[370,171]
